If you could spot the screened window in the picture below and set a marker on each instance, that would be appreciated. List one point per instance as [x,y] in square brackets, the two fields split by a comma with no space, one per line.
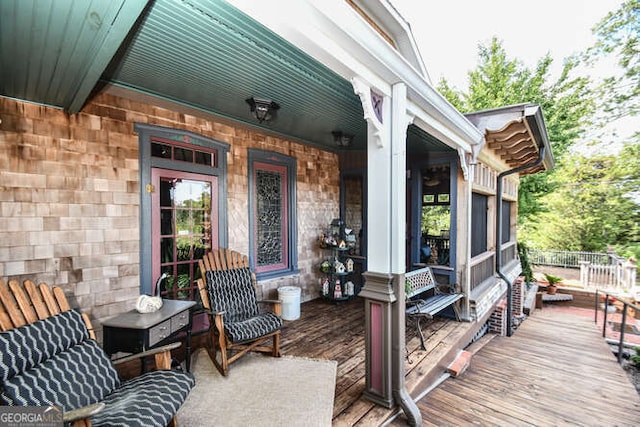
[479,205]
[272,213]
[506,221]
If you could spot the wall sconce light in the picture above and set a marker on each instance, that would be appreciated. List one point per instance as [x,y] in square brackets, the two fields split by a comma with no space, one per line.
[342,139]
[262,109]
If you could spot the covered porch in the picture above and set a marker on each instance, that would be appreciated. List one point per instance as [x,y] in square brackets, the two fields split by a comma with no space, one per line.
[239,103]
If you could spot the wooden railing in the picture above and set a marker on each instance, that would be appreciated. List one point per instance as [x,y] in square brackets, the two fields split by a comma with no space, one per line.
[626,306]
[482,268]
[509,253]
[620,275]
[597,269]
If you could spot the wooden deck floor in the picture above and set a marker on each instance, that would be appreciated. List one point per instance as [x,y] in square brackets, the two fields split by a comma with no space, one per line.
[554,370]
[336,331]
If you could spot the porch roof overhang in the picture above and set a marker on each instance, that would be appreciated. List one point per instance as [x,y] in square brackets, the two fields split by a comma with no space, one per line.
[334,34]
[516,134]
[209,56]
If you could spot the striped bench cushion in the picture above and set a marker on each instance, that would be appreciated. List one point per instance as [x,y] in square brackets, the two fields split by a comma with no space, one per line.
[151,399]
[252,328]
[23,348]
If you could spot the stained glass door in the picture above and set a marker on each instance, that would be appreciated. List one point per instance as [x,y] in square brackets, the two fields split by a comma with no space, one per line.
[183,228]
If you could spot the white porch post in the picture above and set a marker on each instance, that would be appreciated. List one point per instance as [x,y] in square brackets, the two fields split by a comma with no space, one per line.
[378,291]
[384,288]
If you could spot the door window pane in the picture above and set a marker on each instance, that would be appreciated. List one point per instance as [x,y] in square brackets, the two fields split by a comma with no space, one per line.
[183,154]
[161,150]
[203,158]
[185,229]
[166,250]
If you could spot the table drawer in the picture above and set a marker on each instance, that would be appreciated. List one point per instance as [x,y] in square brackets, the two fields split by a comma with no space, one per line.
[179,321]
[159,332]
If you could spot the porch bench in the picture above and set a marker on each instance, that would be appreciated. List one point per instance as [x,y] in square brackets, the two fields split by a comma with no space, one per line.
[48,356]
[420,282]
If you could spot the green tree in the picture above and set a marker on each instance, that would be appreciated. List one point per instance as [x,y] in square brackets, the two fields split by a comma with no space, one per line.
[595,204]
[619,35]
[498,81]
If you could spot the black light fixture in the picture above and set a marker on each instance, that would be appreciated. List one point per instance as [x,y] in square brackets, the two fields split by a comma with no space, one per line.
[342,139]
[262,109]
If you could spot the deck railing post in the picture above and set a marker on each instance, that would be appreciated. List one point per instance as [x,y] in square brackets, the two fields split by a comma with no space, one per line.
[596,309]
[604,321]
[584,273]
[624,323]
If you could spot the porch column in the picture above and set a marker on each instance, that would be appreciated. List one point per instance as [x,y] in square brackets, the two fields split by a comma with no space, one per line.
[378,290]
[384,288]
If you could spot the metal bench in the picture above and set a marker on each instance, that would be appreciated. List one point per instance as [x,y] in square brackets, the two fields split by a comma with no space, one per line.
[419,282]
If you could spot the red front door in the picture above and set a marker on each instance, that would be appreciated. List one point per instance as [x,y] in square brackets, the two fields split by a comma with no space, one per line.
[183,228]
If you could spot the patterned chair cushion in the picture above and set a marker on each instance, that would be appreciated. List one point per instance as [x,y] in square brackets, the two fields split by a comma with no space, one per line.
[252,328]
[23,348]
[151,399]
[232,291]
[54,362]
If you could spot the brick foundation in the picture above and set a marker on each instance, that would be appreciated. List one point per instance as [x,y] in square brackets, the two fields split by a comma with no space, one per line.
[498,320]
[518,296]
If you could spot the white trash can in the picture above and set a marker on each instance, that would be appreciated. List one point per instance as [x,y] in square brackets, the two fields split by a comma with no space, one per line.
[290,297]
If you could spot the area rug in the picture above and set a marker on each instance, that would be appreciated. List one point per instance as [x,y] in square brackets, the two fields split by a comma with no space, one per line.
[260,391]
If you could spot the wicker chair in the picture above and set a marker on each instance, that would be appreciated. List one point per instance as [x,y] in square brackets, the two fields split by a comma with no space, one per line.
[228,292]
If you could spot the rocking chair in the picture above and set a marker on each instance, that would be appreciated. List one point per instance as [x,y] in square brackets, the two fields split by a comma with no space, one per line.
[228,292]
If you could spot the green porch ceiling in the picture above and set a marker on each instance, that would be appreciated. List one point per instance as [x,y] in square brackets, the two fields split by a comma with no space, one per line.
[202,54]
[54,51]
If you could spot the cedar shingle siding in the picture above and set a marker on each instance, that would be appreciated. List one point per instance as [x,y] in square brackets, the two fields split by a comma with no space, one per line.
[70,195]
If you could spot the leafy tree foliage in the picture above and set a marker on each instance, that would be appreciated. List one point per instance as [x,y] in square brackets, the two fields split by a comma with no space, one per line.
[619,35]
[595,204]
[588,203]
[500,81]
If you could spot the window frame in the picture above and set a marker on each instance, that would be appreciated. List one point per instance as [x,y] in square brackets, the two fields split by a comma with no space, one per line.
[271,161]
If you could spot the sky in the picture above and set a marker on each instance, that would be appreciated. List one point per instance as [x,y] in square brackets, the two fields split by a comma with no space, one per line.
[448,33]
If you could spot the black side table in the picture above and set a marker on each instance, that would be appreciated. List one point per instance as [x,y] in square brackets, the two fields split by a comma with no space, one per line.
[134,332]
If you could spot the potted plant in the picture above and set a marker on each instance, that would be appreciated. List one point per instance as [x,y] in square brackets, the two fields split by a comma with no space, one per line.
[553,283]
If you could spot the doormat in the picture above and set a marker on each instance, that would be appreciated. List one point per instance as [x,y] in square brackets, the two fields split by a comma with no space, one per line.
[260,390]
